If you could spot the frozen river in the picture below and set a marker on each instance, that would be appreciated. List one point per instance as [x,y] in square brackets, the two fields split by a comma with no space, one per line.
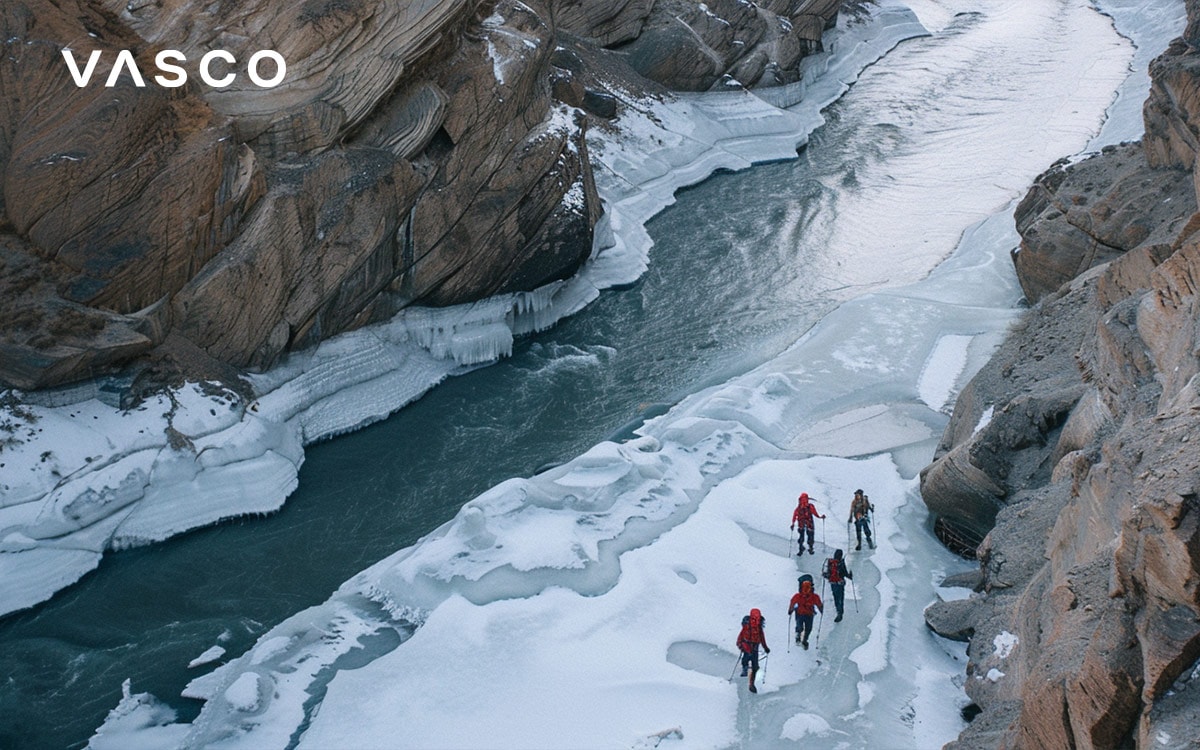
[605,594]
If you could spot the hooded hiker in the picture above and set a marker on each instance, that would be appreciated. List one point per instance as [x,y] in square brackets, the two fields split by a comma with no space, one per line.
[751,637]
[803,518]
[805,603]
[860,507]
[836,572]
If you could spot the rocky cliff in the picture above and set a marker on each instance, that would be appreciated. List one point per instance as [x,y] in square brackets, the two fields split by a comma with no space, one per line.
[1072,458]
[429,152]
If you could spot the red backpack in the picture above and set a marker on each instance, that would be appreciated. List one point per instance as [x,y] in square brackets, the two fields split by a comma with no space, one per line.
[833,570]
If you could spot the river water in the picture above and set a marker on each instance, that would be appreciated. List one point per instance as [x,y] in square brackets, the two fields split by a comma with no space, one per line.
[925,144]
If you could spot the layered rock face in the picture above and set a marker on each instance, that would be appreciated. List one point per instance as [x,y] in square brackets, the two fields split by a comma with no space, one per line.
[414,153]
[695,46]
[1075,452]
[428,152]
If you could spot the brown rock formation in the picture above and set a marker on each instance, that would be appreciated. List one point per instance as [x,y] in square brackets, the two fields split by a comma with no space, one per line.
[693,46]
[413,154]
[1077,218]
[1094,555]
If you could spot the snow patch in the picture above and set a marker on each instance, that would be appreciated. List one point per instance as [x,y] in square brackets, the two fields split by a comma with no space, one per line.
[243,694]
[984,419]
[1003,644]
[801,726]
[208,657]
[942,369]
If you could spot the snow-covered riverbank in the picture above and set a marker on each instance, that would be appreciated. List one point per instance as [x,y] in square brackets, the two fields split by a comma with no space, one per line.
[595,604]
[79,476]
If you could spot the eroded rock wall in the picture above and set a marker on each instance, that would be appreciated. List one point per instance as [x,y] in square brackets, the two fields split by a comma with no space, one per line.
[426,152]
[696,46]
[415,153]
[1085,480]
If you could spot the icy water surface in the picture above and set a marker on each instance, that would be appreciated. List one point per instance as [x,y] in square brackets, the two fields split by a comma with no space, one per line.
[925,144]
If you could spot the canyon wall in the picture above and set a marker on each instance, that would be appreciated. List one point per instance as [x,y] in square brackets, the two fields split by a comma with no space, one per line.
[430,152]
[1073,454]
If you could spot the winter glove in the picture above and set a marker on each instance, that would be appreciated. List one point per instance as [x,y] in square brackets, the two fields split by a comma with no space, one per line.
[849,574]
[766,649]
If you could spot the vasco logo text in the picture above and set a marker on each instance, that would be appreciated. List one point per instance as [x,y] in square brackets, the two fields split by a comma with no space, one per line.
[172,76]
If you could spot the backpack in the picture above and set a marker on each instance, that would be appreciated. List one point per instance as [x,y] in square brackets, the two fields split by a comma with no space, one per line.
[833,571]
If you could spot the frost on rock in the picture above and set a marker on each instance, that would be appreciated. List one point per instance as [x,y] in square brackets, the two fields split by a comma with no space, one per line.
[984,419]
[1003,644]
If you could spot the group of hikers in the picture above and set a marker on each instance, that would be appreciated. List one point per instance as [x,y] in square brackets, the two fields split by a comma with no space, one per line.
[806,602]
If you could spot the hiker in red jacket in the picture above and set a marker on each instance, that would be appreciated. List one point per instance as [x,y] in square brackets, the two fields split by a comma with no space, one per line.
[803,518]
[804,605]
[751,637]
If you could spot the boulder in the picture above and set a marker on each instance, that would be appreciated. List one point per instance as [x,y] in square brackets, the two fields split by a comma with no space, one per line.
[694,46]
[1068,225]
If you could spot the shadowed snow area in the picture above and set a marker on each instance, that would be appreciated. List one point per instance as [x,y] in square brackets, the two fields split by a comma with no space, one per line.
[596,604]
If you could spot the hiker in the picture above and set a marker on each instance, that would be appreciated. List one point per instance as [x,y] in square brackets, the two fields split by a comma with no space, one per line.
[836,572]
[860,506]
[803,518]
[805,603]
[751,637]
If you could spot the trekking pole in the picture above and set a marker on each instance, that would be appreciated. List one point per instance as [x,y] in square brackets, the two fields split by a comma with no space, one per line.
[823,533]
[820,622]
[766,658]
[736,660]
[854,594]
[789,636]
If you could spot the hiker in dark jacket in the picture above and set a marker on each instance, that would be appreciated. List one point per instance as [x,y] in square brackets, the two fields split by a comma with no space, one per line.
[751,637]
[836,572]
[805,603]
[860,508]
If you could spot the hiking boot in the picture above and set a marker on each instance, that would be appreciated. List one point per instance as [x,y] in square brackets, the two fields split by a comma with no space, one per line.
[804,643]
[753,689]
[858,546]
[838,618]
[871,542]
[811,551]
[744,673]
[798,638]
